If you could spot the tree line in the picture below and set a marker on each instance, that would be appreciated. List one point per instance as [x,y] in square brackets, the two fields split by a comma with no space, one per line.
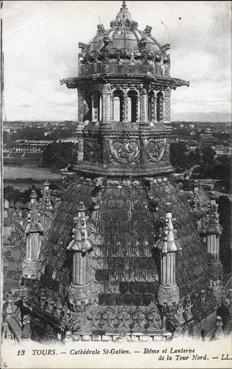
[209,165]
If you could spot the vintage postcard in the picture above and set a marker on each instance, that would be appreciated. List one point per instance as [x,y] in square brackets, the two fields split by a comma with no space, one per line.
[116,184]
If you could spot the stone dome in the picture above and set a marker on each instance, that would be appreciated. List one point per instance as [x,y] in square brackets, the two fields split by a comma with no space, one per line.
[123,38]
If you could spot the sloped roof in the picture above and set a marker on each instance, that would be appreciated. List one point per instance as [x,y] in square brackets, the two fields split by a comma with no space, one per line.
[126,265]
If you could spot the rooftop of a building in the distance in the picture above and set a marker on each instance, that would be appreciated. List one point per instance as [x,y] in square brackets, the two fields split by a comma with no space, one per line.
[35,123]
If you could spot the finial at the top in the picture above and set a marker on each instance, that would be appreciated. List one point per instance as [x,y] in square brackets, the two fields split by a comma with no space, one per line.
[123,18]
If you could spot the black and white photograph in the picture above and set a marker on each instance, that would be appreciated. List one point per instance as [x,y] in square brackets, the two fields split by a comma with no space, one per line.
[116,146]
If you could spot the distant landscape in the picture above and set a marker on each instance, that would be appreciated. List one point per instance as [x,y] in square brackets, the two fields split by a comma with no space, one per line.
[37,150]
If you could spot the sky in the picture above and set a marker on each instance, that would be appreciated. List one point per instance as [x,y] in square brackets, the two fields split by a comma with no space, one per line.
[40,43]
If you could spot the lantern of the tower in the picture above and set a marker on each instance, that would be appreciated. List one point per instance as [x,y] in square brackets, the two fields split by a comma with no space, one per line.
[124,90]
[33,236]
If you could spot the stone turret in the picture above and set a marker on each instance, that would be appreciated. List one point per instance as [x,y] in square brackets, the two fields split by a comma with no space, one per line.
[168,292]
[33,236]
[45,201]
[212,232]
[81,247]
[45,206]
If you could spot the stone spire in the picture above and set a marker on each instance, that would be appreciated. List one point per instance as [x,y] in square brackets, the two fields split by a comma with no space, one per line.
[168,293]
[46,207]
[80,290]
[123,17]
[45,201]
[80,241]
[33,235]
[213,230]
[212,233]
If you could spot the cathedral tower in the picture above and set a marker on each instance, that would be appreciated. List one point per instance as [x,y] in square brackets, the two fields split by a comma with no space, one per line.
[111,260]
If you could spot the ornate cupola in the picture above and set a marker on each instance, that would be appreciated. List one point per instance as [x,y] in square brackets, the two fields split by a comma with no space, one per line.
[33,236]
[124,91]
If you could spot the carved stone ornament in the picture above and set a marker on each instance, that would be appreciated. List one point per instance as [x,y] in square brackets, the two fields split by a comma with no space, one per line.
[29,269]
[217,290]
[139,320]
[80,240]
[92,150]
[179,314]
[124,152]
[188,308]
[123,318]
[154,320]
[106,88]
[168,295]
[155,149]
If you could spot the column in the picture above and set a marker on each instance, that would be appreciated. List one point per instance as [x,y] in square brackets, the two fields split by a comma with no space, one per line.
[166,105]
[111,108]
[217,247]
[168,272]
[125,103]
[144,107]
[28,249]
[92,108]
[100,112]
[154,108]
[79,269]
[138,108]
[80,152]
[122,109]
[107,110]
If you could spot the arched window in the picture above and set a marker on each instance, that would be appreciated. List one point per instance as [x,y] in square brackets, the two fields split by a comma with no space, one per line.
[118,106]
[160,101]
[96,107]
[100,107]
[132,106]
[151,97]
[85,109]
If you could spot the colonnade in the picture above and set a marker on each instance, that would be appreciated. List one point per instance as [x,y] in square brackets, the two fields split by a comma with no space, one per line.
[122,105]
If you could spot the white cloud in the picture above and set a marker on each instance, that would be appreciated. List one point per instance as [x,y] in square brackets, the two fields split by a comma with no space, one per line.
[40,46]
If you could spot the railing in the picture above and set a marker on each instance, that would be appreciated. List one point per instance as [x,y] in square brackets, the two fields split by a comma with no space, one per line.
[124,68]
